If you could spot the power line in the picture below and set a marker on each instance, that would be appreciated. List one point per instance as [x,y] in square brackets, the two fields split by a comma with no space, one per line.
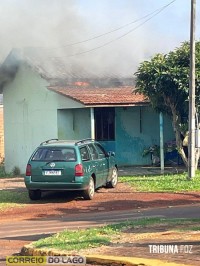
[111,31]
[153,14]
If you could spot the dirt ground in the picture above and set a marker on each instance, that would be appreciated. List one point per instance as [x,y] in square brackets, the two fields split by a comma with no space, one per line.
[64,203]
[121,198]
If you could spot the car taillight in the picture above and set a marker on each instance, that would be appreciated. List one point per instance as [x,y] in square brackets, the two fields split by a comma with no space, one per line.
[79,170]
[28,170]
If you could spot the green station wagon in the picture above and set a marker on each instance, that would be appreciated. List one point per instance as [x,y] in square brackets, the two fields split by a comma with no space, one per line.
[81,165]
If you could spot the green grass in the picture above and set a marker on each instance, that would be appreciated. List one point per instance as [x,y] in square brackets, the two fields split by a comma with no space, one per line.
[9,199]
[76,240]
[163,183]
[94,237]
[3,173]
[192,228]
[14,173]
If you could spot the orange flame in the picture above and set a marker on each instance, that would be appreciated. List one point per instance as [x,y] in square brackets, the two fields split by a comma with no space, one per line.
[81,83]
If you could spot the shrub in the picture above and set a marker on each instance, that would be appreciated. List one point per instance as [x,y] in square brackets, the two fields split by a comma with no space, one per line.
[16,171]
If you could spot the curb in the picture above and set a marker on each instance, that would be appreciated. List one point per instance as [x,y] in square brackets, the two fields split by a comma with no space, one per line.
[29,250]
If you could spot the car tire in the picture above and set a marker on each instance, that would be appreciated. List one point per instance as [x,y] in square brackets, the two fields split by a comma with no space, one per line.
[35,194]
[88,194]
[114,179]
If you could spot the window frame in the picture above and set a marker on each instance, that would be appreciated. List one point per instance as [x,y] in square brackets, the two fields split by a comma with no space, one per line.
[88,152]
[104,123]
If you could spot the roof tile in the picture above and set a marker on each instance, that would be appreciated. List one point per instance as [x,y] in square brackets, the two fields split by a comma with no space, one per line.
[102,96]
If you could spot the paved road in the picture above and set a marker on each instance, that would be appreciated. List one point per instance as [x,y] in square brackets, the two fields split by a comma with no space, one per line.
[26,231]
[29,229]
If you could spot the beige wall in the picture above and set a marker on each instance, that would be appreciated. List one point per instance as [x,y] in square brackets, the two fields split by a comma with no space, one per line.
[1,134]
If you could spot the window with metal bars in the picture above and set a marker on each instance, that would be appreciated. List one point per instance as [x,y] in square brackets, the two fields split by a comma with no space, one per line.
[104,123]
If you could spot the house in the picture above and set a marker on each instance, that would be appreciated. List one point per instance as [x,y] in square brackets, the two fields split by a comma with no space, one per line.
[39,106]
[1,132]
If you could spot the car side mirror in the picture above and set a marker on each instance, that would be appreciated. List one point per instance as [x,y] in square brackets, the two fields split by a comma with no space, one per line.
[111,153]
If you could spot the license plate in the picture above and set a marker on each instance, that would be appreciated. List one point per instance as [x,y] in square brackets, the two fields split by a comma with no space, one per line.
[52,172]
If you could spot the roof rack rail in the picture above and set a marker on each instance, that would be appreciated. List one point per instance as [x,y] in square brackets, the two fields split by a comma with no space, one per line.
[84,140]
[47,141]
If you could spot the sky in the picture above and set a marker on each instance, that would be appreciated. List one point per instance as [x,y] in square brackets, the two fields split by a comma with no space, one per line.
[100,37]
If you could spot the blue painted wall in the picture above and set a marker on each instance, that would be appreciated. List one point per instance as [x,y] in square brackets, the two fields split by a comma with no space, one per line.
[136,129]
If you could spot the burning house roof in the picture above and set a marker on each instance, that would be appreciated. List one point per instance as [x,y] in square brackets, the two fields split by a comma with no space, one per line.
[90,91]
[90,96]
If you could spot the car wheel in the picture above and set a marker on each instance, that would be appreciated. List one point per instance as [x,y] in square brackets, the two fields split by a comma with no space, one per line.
[35,194]
[114,179]
[88,194]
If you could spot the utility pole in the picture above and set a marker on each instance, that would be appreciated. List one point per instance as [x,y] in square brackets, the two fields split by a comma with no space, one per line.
[191,144]
[162,165]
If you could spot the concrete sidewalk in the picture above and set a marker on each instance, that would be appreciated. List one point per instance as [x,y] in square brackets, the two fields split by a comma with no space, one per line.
[150,170]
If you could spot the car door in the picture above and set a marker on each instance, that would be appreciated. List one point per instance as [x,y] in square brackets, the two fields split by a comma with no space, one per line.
[103,161]
[86,161]
[96,164]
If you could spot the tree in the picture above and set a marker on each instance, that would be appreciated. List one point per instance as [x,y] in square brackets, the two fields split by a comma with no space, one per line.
[164,80]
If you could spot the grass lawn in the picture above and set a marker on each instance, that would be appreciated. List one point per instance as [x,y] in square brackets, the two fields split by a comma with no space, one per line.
[69,240]
[164,183]
[10,199]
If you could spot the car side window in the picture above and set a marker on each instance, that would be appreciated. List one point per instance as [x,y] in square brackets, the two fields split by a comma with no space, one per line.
[84,154]
[93,152]
[101,151]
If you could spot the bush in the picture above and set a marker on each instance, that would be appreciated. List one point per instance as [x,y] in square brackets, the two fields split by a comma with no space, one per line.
[16,171]
[3,172]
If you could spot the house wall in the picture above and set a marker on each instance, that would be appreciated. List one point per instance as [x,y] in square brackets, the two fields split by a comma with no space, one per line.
[136,129]
[1,134]
[30,116]
[74,124]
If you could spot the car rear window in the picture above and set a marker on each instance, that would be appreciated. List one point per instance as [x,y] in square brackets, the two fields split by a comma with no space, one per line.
[54,154]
